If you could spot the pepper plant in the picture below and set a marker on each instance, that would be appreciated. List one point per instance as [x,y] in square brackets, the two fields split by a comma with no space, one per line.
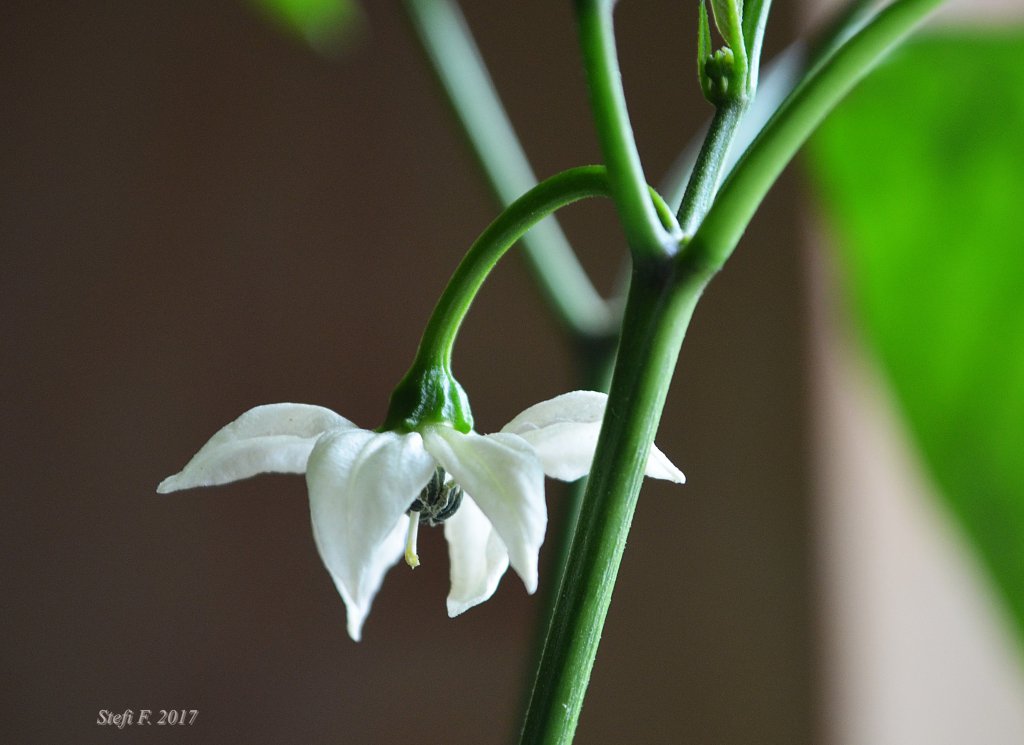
[371,490]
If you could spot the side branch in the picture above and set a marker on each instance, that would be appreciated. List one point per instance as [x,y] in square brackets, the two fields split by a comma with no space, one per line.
[791,126]
[644,231]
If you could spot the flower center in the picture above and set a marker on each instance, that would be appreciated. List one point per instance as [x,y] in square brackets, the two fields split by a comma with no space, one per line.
[438,501]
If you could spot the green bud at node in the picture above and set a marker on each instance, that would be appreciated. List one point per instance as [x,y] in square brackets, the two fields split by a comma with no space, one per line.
[722,73]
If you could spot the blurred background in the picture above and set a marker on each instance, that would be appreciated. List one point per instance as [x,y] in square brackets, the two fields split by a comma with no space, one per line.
[200,214]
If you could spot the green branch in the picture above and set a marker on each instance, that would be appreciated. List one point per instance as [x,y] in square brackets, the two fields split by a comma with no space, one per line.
[792,124]
[711,162]
[644,231]
[783,74]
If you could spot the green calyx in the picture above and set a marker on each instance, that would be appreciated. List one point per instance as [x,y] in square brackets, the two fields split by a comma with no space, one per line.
[428,394]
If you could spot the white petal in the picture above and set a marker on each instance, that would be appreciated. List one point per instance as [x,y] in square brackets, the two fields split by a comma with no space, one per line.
[564,433]
[503,474]
[477,556]
[376,562]
[660,467]
[360,485]
[272,438]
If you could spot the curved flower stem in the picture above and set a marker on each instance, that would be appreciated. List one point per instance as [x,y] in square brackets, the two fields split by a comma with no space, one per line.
[645,233]
[457,63]
[429,391]
[546,197]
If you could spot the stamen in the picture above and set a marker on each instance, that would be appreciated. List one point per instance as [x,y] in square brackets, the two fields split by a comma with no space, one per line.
[410,540]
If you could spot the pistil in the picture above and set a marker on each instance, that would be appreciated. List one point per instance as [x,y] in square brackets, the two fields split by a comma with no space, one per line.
[410,540]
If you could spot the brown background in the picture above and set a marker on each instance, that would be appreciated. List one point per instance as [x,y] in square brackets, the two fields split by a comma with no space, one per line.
[199,215]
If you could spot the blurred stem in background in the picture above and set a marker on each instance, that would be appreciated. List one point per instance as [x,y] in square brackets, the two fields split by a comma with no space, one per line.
[457,63]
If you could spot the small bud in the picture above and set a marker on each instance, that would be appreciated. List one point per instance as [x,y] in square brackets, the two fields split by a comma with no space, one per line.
[718,68]
[722,73]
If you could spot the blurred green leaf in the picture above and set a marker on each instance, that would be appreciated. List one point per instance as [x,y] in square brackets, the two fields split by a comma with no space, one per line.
[325,24]
[922,173]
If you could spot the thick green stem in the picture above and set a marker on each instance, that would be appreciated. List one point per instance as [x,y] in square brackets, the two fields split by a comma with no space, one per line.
[449,47]
[657,313]
[594,374]
[644,231]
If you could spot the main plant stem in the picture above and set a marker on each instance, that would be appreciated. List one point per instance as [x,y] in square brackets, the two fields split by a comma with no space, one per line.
[662,297]
[661,300]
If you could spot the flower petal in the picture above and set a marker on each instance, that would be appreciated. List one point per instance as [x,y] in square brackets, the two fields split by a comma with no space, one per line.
[376,563]
[360,485]
[660,467]
[272,438]
[477,556]
[564,430]
[506,481]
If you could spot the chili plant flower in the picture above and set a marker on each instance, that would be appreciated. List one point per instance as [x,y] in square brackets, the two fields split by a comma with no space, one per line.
[370,491]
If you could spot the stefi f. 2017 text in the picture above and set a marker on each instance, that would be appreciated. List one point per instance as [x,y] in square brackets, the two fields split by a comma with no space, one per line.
[128,718]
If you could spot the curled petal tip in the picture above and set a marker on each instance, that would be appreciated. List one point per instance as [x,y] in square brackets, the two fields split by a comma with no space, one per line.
[660,467]
[676,476]
[457,609]
[529,578]
[355,631]
[168,485]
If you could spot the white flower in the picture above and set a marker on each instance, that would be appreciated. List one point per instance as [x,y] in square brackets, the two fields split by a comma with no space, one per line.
[362,484]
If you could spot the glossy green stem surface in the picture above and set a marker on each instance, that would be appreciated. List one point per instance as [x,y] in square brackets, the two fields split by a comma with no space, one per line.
[645,232]
[657,314]
[711,161]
